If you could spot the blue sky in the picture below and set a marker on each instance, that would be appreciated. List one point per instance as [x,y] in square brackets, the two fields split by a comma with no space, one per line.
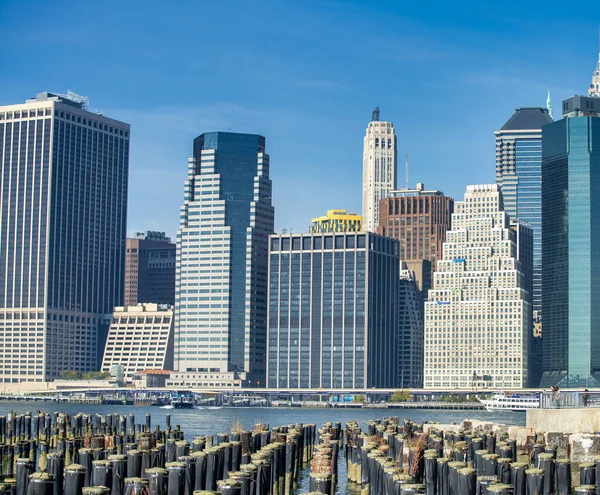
[305,74]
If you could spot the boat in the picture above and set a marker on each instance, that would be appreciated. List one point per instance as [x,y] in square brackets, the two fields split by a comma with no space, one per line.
[513,402]
[182,401]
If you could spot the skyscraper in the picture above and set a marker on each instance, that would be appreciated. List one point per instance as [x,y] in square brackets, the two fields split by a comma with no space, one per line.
[594,89]
[478,317]
[519,175]
[410,334]
[62,234]
[222,252]
[150,269]
[571,245]
[379,168]
[333,311]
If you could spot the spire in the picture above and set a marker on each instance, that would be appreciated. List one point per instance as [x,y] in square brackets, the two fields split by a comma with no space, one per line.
[594,89]
[549,103]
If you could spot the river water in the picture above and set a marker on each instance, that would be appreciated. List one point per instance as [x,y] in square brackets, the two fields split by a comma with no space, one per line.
[210,421]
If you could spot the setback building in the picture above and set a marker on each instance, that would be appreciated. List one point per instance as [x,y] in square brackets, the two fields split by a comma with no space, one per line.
[571,246]
[62,234]
[333,311]
[478,319]
[140,338]
[222,253]
[149,269]
[379,168]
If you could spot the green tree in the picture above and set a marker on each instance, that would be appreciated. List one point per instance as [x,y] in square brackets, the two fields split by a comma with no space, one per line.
[359,398]
[401,396]
[69,375]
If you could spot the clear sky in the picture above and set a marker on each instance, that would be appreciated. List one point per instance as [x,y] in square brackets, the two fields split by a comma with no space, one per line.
[306,75]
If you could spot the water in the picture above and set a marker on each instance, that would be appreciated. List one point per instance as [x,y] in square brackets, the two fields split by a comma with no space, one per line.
[210,421]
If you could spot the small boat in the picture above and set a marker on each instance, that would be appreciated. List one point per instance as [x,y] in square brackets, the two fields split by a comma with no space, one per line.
[182,401]
[513,402]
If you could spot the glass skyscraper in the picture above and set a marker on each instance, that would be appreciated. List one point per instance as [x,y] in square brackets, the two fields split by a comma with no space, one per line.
[62,234]
[571,246]
[221,269]
[333,311]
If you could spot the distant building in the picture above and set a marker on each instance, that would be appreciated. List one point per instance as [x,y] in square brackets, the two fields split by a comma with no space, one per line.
[222,260]
[519,175]
[333,311]
[336,221]
[571,246]
[379,169]
[62,234]
[594,89]
[410,334]
[150,269]
[140,338]
[478,319]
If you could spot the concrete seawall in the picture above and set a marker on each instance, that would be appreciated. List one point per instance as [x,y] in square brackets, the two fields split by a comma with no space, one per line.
[585,420]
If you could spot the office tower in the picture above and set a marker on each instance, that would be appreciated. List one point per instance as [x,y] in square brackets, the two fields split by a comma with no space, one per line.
[571,246]
[336,221]
[62,234]
[379,168]
[149,269]
[222,252]
[140,338]
[333,311]
[410,325]
[478,317]
[594,89]
[519,175]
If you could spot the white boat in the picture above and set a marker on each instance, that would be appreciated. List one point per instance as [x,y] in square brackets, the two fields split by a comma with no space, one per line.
[513,402]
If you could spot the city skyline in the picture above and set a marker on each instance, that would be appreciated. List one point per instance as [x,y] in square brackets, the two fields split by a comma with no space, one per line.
[314,108]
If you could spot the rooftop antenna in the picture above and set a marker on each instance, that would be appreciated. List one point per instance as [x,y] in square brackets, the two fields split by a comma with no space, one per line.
[375,115]
[406,169]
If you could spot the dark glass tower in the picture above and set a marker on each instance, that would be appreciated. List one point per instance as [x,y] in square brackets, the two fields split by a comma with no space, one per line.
[221,270]
[571,246]
[333,311]
[62,234]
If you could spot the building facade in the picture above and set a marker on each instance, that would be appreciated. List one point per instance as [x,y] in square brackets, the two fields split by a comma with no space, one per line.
[333,311]
[62,234]
[140,338]
[571,246]
[410,331]
[478,319]
[519,175]
[222,253]
[379,169]
[336,221]
[149,269]
[419,219]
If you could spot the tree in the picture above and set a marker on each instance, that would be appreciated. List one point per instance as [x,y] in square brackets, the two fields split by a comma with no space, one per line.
[401,396]
[359,398]
[69,375]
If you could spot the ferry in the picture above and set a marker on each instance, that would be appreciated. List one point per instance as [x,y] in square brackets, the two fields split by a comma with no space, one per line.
[182,401]
[501,402]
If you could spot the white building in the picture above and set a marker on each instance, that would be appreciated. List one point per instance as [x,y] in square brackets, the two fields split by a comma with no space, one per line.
[478,316]
[379,169]
[140,338]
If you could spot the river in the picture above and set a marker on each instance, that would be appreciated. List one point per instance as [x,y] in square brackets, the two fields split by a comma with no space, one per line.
[210,421]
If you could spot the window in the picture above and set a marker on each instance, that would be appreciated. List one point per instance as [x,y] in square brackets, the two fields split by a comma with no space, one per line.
[275,244]
[328,242]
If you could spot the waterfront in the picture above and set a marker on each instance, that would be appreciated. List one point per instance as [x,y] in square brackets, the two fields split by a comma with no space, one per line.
[210,421]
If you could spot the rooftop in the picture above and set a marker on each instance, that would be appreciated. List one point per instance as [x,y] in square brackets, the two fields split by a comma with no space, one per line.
[527,118]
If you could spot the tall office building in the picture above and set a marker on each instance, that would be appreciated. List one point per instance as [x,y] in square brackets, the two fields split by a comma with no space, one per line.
[333,311]
[519,175]
[379,168]
[478,317]
[336,221]
[410,335]
[571,246]
[62,234]
[222,252]
[149,269]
